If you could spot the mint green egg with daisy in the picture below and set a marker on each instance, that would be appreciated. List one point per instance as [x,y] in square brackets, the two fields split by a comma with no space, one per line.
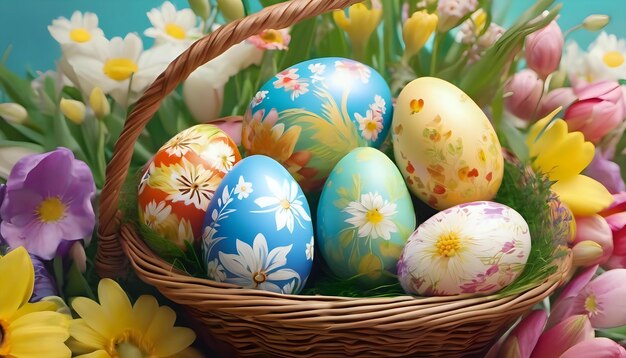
[364,218]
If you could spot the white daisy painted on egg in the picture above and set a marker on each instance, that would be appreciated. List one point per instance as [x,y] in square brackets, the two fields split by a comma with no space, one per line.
[215,271]
[317,72]
[259,97]
[372,216]
[220,155]
[155,214]
[255,267]
[354,68]
[310,249]
[243,189]
[285,203]
[170,25]
[183,142]
[371,125]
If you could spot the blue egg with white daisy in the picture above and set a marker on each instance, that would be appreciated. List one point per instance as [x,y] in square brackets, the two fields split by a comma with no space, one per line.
[312,114]
[258,232]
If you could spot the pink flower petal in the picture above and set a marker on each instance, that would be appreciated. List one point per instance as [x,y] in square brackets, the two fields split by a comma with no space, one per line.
[596,347]
[563,336]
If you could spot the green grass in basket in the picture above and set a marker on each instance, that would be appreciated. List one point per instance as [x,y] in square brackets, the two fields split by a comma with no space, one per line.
[527,194]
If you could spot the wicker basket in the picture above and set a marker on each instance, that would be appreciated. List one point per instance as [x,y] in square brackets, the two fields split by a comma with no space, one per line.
[249,322]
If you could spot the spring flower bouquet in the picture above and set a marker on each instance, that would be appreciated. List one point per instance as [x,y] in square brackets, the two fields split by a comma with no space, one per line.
[558,110]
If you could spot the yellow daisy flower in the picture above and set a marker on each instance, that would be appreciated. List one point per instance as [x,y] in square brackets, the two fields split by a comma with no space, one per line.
[563,156]
[115,328]
[28,329]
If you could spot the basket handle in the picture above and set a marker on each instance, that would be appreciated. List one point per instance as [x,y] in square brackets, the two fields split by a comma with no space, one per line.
[110,259]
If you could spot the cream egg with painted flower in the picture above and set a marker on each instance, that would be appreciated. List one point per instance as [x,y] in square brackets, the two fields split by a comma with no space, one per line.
[477,248]
[444,145]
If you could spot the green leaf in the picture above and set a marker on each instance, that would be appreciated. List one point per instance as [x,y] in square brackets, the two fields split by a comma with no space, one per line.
[160,245]
[77,285]
[392,35]
[57,268]
[300,50]
[515,139]
[17,88]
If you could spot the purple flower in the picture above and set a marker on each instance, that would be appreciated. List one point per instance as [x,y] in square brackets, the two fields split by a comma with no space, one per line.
[606,172]
[44,283]
[47,201]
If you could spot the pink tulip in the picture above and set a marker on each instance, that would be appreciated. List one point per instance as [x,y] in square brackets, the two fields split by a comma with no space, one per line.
[559,97]
[599,110]
[231,126]
[522,340]
[566,334]
[526,89]
[596,347]
[544,48]
[593,243]
[601,299]
[606,172]
[615,216]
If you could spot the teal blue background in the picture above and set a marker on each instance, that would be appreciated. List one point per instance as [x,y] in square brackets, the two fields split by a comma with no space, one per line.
[23,24]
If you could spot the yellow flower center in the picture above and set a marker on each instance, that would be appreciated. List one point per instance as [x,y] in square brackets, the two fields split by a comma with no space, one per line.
[259,277]
[120,69]
[371,126]
[271,36]
[175,31]
[51,210]
[591,305]
[613,59]
[128,345]
[448,245]
[374,216]
[80,35]
[285,204]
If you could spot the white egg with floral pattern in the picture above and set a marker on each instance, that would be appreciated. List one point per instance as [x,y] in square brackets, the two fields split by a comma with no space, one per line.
[258,231]
[473,248]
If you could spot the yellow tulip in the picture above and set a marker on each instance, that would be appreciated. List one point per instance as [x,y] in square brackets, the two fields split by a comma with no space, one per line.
[360,23]
[99,103]
[231,9]
[417,30]
[73,110]
[562,156]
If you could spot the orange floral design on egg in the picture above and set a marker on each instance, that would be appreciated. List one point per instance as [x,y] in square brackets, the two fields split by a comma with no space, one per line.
[416,105]
[436,171]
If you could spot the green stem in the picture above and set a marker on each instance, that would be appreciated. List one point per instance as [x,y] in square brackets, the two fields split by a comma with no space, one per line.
[433,60]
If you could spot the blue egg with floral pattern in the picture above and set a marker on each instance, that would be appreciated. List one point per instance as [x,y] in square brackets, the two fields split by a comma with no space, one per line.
[312,114]
[258,231]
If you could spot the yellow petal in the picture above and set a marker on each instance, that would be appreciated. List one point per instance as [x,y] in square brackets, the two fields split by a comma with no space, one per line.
[162,323]
[16,291]
[48,329]
[177,340]
[77,347]
[188,353]
[583,195]
[552,136]
[340,18]
[566,158]
[96,354]
[94,316]
[115,303]
[34,307]
[144,312]
[85,335]
[40,347]
[536,129]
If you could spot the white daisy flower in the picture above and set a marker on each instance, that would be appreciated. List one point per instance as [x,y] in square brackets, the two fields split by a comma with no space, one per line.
[371,125]
[155,214]
[286,78]
[220,155]
[185,233]
[353,68]
[379,104]
[169,25]
[183,142]
[289,288]
[606,58]
[310,248]
[372,216]
[285,203]
[78,33]
[254,267]
[259,97]
[113,63]
[243,189]
[215,271]
[298,88]
[317,71]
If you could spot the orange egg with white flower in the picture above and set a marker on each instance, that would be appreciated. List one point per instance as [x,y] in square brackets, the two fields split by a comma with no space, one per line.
[179,183]
[444,145]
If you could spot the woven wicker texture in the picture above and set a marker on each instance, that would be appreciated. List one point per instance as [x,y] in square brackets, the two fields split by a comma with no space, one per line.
[248,322]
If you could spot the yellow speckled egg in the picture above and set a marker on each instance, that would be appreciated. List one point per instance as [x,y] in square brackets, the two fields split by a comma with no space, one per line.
[444,145]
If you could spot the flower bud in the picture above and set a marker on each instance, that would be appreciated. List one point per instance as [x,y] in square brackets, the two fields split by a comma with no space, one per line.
[417,30]
[559,97]
[231,9]
[99,103]
[451,12]
[596,22]
[526,90]
[201,8]
[544,48]
[13,112]
[593,243]
[73,110]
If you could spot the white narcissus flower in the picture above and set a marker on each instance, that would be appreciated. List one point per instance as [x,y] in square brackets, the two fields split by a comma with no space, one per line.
[607,55]
[113,63]
[169,25]
[77,34]
[203,91]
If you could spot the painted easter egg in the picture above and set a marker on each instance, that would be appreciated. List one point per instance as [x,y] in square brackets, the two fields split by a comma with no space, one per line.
[444,145]
[478,247]
[258,231]
[364,217]
[178,184]
[312,114]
